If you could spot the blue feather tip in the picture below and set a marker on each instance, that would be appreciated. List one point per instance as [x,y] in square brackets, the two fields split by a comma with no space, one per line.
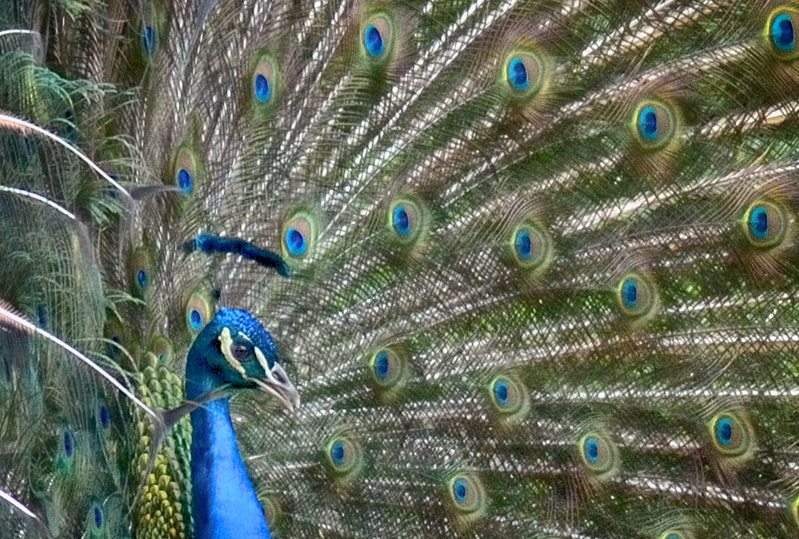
[216,244]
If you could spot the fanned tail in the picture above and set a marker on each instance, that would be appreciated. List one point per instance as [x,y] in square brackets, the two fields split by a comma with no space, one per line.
[536,262]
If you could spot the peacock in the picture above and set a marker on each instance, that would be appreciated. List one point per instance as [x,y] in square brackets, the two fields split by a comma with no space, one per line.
[399,269]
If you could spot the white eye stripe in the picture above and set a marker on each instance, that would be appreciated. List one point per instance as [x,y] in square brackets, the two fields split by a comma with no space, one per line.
[227,341]
[275,382]
[268,372]
[261,359]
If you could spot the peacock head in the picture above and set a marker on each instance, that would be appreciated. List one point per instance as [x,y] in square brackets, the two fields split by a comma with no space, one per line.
[234,349]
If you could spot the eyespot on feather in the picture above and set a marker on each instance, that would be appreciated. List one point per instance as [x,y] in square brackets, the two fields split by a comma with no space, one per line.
[780,32]
[103,417]
[598,454]
[298,236]
[262,87]
[655,124]
[766,224]
[407,221]
[148,40]
[343,456]
[140,272]
[150,31]
[523,73]
[199,311]
[162,348]
[188,170]
[509,397]
[96,521]
[266,85]
[731,435]
[66,449]
[388,368]
[103,420]
[530,247]
[637,296]
[378,37]
[467,497]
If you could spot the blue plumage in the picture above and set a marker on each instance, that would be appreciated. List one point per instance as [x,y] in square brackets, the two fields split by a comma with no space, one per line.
[295,242]
[517,74]
[782,32]
[225,504]
[648,124]
[262,89]
[373,40]
[215,244]
[148,40]
[185,181]
[232,349]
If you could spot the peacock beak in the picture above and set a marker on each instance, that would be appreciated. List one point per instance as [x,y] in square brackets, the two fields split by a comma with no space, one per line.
[277,384]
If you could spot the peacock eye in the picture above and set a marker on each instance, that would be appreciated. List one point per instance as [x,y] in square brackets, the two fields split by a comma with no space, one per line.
[377,37]
[277,375]
[239,351]
[781,31]
[655,125]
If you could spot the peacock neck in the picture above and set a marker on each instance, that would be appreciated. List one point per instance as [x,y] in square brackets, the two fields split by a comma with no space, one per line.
[224,501]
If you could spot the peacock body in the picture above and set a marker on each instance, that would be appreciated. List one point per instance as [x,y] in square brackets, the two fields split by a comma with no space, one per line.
[531,266]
